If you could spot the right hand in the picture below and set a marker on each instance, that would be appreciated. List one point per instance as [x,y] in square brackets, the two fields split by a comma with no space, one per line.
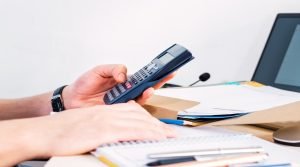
[82,130]
[90,88]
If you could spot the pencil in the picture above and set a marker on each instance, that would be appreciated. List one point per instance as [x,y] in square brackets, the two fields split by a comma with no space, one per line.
[178,122]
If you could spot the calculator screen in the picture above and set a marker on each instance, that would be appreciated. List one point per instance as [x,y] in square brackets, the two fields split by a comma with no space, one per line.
[166,58]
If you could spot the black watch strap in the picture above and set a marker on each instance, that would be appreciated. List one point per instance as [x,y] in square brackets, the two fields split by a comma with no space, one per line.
[57,100]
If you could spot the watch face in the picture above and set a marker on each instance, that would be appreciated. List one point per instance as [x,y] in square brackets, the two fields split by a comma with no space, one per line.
[57,104]
[57,100]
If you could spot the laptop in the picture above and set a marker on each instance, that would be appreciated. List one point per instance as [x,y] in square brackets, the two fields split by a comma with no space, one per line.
[279,64]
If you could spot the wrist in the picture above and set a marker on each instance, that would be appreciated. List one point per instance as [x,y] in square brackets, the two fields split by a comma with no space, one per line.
[21,141]
[68,98]
[33,138]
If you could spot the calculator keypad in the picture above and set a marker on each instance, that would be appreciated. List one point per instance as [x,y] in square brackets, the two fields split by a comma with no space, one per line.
[132,81]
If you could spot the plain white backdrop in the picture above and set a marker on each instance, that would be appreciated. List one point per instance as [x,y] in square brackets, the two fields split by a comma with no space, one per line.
[47,43]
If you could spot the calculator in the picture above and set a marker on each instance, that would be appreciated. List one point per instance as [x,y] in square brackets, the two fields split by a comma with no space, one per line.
[161,66]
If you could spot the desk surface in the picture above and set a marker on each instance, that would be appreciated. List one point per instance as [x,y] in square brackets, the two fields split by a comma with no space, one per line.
[90,161]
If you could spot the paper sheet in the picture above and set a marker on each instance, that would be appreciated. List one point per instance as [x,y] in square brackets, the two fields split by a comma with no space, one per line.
[230,99]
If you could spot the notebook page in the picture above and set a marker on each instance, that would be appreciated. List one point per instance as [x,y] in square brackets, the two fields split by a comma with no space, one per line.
[135,154]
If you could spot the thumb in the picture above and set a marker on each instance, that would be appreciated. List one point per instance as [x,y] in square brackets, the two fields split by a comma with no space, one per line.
[117,71]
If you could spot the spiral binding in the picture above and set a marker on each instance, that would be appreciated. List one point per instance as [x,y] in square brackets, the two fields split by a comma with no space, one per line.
[176,141]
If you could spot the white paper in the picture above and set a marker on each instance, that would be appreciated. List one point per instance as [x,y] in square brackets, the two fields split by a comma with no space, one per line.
[183,131]
[231,99]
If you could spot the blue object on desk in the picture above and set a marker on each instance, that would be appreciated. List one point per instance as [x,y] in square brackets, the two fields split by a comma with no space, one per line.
[178,122]
[233,83]
[172,121]
[171,161]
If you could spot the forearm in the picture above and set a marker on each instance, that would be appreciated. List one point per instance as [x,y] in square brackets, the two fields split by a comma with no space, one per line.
[34,106]
[18,141]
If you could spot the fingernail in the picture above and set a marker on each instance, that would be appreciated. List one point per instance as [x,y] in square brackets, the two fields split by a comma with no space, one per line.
[121,77]
[131,101]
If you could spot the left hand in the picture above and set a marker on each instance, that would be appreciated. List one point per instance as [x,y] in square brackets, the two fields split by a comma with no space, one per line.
[90,88]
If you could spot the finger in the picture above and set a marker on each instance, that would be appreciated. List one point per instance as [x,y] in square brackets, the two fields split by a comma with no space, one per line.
[165,80]
[168,130]
[136,107]
[145,96]
[171,132]
[120,73]
[131,102]
[141,129]
[151,120]
[117,71]
[131,107]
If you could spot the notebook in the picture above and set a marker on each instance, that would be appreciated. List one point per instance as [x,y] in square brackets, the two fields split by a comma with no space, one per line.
[135,153]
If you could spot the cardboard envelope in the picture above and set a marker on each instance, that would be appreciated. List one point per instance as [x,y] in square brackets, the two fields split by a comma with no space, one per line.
[167,107]
[289,113]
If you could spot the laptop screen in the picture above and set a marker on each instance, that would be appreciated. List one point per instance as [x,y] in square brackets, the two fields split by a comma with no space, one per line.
[291,62]
[279,65]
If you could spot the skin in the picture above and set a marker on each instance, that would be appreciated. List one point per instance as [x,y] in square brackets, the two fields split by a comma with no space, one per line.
[85,124]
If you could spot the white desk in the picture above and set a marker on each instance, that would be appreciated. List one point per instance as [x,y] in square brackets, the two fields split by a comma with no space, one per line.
[90,161]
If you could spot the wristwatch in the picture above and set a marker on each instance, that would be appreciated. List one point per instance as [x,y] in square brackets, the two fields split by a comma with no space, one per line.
[57,100]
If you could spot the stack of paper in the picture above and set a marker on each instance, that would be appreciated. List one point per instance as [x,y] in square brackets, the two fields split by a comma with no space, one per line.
[226,101]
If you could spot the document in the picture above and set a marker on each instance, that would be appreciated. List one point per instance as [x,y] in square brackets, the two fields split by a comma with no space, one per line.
[225,101]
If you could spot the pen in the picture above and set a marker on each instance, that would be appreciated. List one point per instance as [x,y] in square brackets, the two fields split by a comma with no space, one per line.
[170,161]
[183,159]
[206,152]
[178,122]
[223,161]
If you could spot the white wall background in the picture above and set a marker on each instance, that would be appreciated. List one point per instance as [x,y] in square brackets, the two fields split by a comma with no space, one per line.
[48,43]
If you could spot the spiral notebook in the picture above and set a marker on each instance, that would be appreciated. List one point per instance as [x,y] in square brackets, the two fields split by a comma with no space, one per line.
[135,153]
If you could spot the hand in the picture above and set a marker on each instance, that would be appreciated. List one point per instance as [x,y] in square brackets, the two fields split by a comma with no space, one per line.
[90,88]
[79,131]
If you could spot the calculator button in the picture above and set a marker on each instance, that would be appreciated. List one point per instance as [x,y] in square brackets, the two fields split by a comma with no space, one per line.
[118,89]
[116,92]
[121,88]
[110,97]
[151,66]
[143,73]
[128,85]
[137,75]
[141,77]
[112,93]
[134,81]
